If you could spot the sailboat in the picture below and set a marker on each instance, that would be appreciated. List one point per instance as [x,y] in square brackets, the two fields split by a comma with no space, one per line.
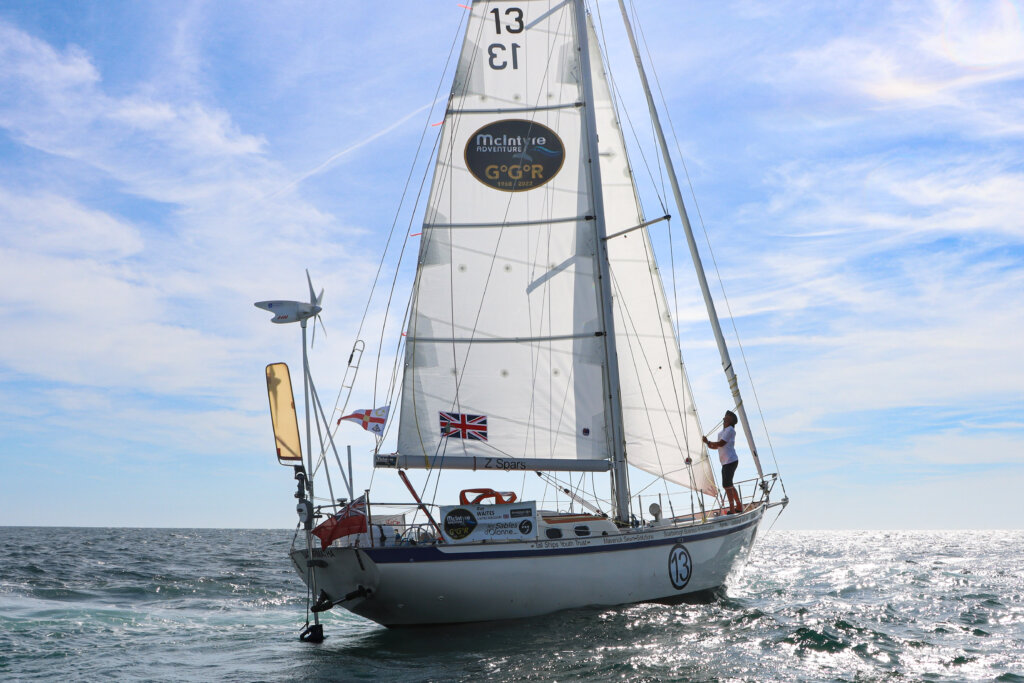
[538,339]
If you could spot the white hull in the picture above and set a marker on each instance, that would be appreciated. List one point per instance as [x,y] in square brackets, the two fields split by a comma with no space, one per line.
[434,584]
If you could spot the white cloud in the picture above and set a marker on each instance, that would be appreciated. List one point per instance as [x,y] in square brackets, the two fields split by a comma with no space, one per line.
[922,328]
[56,103]
[958,61]
[159,304]
[964,500]
[51,224]
[982,445]
[30,60]
[977,35]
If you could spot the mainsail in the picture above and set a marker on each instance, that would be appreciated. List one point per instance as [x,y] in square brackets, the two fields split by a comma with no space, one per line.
[505,318]
[505,355]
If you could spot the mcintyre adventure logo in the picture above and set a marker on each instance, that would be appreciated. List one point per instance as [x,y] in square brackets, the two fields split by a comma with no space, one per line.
[514,155]
[459,523]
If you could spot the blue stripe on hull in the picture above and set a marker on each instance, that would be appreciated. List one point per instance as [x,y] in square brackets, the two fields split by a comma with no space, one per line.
[405,554]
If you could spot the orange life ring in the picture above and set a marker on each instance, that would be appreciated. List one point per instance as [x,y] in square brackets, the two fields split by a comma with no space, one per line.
[483,494]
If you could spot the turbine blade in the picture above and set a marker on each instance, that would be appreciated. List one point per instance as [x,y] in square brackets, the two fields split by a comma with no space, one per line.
[312,293]
[316,319]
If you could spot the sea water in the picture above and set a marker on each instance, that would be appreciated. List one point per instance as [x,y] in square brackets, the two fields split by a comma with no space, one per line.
[206,605]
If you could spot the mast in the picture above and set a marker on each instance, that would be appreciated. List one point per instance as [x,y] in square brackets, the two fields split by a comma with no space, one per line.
[613,395]
[317,628]
[723,350]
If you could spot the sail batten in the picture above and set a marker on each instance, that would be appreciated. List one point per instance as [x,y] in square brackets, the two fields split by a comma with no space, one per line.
[514,110]
[506,340]
[507,224]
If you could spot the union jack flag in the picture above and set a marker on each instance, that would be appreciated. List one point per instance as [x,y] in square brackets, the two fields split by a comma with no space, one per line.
[462,426]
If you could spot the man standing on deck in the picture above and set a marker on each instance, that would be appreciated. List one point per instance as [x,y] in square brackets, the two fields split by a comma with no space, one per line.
[726,446]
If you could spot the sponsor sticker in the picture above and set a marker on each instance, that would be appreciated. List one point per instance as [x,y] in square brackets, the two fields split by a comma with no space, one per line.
[497,522]
[514,155]
[459,523]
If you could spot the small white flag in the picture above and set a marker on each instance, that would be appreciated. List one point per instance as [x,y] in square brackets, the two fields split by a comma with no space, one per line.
[372,419]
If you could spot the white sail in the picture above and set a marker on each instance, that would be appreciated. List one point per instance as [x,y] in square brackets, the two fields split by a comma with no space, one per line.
[504,333]
[658,411]
[504,356]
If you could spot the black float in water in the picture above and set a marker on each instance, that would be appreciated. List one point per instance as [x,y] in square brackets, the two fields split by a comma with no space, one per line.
[312,633]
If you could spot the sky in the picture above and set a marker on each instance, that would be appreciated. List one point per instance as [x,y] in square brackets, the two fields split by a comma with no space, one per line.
[858,171]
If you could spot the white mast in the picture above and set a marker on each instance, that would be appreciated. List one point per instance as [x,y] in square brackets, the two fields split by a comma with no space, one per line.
[604,281]
[723,350]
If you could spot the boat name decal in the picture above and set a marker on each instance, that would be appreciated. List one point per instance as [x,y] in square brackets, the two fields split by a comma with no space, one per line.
[680,566]
[385,461]
[514,155]
[632,538]
[504,464]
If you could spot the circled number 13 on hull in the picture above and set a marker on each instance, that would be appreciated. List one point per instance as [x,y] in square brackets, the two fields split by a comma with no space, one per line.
[680,566]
